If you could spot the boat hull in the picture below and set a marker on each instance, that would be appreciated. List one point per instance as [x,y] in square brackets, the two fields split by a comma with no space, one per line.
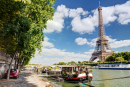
[80,78]
[114,68]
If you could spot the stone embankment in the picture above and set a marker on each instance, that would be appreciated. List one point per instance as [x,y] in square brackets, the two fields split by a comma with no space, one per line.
[26,79]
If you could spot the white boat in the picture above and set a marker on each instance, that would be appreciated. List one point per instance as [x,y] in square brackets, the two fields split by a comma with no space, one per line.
[114,66]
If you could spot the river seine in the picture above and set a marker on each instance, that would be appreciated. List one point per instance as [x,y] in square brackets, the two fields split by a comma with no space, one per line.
[106,78]
[103,78]
[111,78]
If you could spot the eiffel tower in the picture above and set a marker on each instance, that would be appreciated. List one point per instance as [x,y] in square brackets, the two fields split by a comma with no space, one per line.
[102,49]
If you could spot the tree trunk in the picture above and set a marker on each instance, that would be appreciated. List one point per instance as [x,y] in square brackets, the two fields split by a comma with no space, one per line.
[22,61]
[16,63]
[10,66]
[21,64]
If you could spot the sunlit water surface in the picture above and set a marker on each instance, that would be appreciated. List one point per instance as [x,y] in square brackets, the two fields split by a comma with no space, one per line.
[105,78]
[111,78]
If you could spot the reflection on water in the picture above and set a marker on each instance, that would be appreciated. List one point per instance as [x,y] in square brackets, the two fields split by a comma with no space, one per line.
[104,78]
[111,78]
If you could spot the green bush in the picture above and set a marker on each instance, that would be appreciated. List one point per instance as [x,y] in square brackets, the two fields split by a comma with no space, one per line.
[119,59]
[90,71]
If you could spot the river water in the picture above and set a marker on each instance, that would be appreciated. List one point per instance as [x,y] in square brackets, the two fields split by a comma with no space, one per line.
[111,78]
[106,78]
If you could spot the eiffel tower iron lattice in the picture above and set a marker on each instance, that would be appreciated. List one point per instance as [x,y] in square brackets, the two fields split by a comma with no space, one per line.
[102,49]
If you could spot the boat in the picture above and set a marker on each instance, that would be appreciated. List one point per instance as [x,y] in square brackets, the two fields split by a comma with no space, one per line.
[54,71]
[70,73]
[76,73]
[114,66]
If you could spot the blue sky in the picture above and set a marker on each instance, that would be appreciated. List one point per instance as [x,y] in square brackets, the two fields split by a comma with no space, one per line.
[72,33]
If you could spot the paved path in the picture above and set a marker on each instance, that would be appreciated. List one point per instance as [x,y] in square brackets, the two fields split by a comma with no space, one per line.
[26,79]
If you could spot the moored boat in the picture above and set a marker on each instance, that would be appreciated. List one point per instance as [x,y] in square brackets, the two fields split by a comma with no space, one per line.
[70,73]
[78,73]
[114,66]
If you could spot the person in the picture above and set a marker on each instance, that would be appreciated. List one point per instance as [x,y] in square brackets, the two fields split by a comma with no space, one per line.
[87,73]
[0,75]
[37,70]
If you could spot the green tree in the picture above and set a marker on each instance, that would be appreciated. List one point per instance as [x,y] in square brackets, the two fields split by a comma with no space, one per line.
[71,63]
[8,10]
[61,63]
[25,28]
[121,59]
[124,55]
[91,62]
[55,64]
[79,63]
[109,59]
[84,62]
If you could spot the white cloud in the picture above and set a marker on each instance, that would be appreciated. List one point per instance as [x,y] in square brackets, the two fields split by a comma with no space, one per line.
[123,12]
[53,55]
[88,24]
[61,53]
[110,14]
[45,43]
[57,24]
[50,61]
[82,26]
[113,42]
[89,52]
[121,43]
[81,41]
[110,39]
[92,42]
[76,12]
[83,22]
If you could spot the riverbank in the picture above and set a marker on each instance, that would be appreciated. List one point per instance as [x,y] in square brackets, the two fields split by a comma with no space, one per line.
[26,79]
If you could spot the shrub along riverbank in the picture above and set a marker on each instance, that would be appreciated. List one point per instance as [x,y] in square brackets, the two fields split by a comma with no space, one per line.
[115,58]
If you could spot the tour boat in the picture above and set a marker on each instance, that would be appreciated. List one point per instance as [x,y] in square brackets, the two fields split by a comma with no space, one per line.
[114,66]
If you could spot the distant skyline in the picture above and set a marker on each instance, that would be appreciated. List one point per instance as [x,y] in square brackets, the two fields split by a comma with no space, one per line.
[72,34]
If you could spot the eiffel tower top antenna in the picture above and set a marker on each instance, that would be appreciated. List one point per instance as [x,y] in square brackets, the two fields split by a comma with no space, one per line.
[99,3]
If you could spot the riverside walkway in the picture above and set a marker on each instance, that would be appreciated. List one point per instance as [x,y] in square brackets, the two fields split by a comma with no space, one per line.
[26,79]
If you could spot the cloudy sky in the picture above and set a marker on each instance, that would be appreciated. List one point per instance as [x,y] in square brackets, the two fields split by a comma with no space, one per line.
[72,33]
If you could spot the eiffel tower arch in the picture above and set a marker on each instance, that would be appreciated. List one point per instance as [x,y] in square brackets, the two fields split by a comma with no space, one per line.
[102,49]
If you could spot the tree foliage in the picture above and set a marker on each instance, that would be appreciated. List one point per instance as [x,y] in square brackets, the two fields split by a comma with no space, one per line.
[119,57]
[60,63]
[22,25]
[8,10]
[71,63]
[84,62]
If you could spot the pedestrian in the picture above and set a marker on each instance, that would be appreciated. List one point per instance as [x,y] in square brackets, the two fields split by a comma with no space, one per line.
[87,73]
[37,70]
